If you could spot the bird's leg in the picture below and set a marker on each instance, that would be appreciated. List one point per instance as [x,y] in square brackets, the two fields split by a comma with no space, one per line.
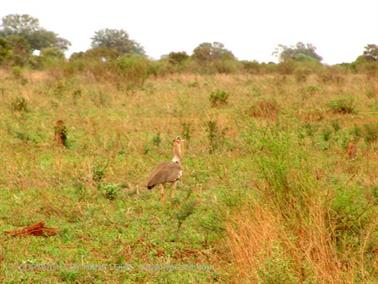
[162,193]
[173,189]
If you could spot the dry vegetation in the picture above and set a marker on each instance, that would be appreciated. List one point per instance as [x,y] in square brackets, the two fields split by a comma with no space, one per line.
[280,178]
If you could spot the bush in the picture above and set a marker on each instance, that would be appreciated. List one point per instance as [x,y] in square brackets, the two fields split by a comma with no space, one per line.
[218,98]
[110,190]
[252,67]
[215,135]
[20,104]
[344,105]
[370,132]
[226,66]
[134,69]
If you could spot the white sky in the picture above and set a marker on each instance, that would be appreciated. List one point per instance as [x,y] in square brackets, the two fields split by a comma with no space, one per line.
[251,29]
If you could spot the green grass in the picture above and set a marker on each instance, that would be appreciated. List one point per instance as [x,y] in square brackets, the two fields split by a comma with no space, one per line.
[290,148]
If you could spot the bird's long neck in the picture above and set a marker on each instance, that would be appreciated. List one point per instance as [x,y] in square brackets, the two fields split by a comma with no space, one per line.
[176,153]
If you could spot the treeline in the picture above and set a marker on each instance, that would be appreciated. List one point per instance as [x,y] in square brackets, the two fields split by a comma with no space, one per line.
[113,55]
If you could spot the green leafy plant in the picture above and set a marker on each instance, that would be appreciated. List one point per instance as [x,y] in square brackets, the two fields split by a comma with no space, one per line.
[370,132]
[215,135]
[343,105]
[20,104]
[110,190]
[218,98]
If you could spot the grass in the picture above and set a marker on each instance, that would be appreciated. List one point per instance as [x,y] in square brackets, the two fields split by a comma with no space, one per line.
[268,194]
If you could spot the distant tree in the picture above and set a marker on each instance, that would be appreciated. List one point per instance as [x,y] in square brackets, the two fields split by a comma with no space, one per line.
[53,53]
[42,39]
[118,40]
[207,52]
[298,52]
[371,52]
[97,54]
[20,49]
[5,50]
[27,27]
[177,57]
[19,24]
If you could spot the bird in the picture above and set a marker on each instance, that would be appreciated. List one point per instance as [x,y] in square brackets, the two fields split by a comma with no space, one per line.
[168,172]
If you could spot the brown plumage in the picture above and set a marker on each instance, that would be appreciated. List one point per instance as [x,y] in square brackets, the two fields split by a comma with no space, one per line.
[168,172]
[163,173]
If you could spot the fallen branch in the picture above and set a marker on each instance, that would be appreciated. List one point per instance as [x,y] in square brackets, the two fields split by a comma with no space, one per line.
[37,229]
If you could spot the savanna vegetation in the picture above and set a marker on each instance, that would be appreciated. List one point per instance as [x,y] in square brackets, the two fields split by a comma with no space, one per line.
[280,179]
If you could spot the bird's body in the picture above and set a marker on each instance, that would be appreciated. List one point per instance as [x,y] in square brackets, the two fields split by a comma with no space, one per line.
[168,172]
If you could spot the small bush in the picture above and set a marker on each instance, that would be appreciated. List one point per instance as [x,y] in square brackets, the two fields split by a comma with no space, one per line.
[343,105]
[326,134]
[218,98]
[370,93]
[186,209]
[311,90]
[350,212]
[110,190]
[335,125]
[370,132]
[20,104]
[134,69]
[215,135]
[17,72]
[186,130]
[156,139]
[98,172]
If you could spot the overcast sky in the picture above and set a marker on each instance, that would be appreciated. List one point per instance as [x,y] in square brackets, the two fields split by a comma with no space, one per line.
[251,29]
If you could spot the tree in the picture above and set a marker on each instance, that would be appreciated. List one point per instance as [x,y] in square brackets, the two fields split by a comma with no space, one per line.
[298,52]
[208,52]
[28,28]
[5,50]
[52,53]
[371,52]
[42,39]
[20,49]
[177,57]
[118,40]
[97,54]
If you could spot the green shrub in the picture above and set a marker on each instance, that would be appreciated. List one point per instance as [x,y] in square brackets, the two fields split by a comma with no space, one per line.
[215,135]
[226,66]
[218,98]
[326,134]
[277,269]
[110,190]
[186,130]
[134,69]
[311,90]
[17,72]
[20,104]
[344,105]
[350,213]
[370,132]
[186,209]
[98,172]
[156,139]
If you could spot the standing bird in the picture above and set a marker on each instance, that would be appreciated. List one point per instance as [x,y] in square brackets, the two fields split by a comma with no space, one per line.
[168,172]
